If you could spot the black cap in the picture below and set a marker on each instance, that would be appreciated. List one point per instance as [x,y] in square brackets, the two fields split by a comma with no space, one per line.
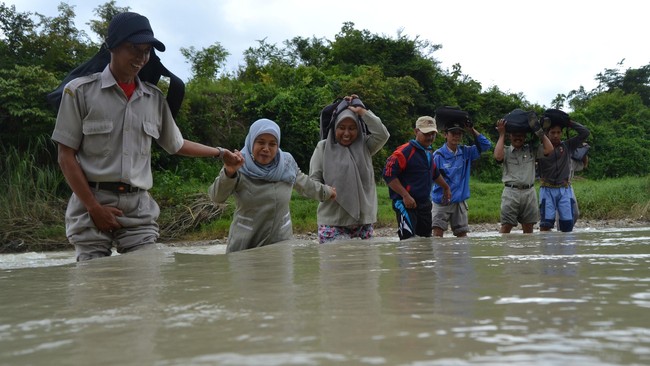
[131,27]
[455,125]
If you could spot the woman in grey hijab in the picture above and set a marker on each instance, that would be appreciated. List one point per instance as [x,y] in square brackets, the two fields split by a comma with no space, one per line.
[344,160]
[262,185]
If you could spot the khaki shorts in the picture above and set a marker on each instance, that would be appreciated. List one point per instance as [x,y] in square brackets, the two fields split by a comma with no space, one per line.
[454,213]
[519,206]
[139,227]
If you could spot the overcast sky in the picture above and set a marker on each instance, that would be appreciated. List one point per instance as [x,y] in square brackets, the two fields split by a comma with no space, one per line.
[540,47]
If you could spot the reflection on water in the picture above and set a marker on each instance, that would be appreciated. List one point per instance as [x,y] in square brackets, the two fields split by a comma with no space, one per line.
[546,298]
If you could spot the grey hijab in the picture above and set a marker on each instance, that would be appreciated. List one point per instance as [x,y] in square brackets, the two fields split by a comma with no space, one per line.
[283,168]
[349,169]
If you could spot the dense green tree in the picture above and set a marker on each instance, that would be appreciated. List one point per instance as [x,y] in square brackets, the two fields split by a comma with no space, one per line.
[54,43]
[34,55]
[105,13]
[620,134]
[212,113]
[632,81]
[206,62]
[24,113]
[310,52]
[17,31]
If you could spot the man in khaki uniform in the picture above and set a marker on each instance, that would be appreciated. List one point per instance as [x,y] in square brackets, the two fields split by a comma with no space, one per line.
[519,199]
[104,129]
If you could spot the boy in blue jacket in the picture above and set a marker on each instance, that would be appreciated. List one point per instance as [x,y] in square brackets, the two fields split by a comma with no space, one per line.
[455,161]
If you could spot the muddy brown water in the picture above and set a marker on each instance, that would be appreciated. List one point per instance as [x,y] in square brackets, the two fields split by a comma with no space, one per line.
[580,298]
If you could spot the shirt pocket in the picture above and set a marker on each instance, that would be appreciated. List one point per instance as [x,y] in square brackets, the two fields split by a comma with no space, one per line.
[528,159]
[514,163]
[150,131]
[97,137]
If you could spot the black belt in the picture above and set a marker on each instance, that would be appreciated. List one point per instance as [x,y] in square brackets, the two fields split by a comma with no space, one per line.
[115,187]
[550,185]
[523,186]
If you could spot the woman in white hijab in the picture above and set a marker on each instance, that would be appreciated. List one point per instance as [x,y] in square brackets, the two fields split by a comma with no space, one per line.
[344,160]
[262,185]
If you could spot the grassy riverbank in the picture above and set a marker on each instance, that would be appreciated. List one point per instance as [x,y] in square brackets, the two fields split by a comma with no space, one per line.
[32,205]
[611,199]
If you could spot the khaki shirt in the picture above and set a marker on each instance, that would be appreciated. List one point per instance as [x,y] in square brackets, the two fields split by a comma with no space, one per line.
[519,166]
[113,136]
[262,215]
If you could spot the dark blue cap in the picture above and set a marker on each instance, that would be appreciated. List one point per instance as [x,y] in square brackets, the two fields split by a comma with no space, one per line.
[131,27]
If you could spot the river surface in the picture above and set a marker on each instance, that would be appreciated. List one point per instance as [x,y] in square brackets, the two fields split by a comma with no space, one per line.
[580,298]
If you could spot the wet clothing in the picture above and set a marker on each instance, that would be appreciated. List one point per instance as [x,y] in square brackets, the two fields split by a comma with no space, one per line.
[519,205]
[112,136]
[454,214]
[262,215]
[327,233]
[519,198]
[555,193]
[413,165]
[413,221]
[557,202]
[455,168]
[139,227]
[576,166]
[555,168]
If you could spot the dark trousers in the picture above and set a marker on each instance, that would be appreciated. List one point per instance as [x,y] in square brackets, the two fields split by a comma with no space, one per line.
[413,221]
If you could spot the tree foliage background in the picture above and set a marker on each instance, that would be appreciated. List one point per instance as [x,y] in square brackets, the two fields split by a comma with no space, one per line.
[398,78]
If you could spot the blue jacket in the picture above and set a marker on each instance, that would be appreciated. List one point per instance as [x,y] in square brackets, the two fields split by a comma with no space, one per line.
[455,168]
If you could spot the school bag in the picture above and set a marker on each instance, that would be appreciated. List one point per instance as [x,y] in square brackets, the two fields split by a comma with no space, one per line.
[517,121]
[151,72]
[448,117]
[555,117]
[329,113]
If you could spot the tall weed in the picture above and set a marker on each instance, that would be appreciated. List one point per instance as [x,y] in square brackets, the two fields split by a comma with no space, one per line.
[31,203]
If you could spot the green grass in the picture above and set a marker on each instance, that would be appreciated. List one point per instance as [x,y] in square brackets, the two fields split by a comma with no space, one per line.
[484,202]
[627,197]
[31,207]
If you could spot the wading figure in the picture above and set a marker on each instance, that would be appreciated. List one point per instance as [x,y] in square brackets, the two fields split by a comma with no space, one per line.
[104,129]
[262,184]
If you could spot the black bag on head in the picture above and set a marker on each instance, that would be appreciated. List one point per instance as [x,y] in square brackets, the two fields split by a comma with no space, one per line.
[451,117]
[151,73]
[555,117]
[517,121]
[331,111]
